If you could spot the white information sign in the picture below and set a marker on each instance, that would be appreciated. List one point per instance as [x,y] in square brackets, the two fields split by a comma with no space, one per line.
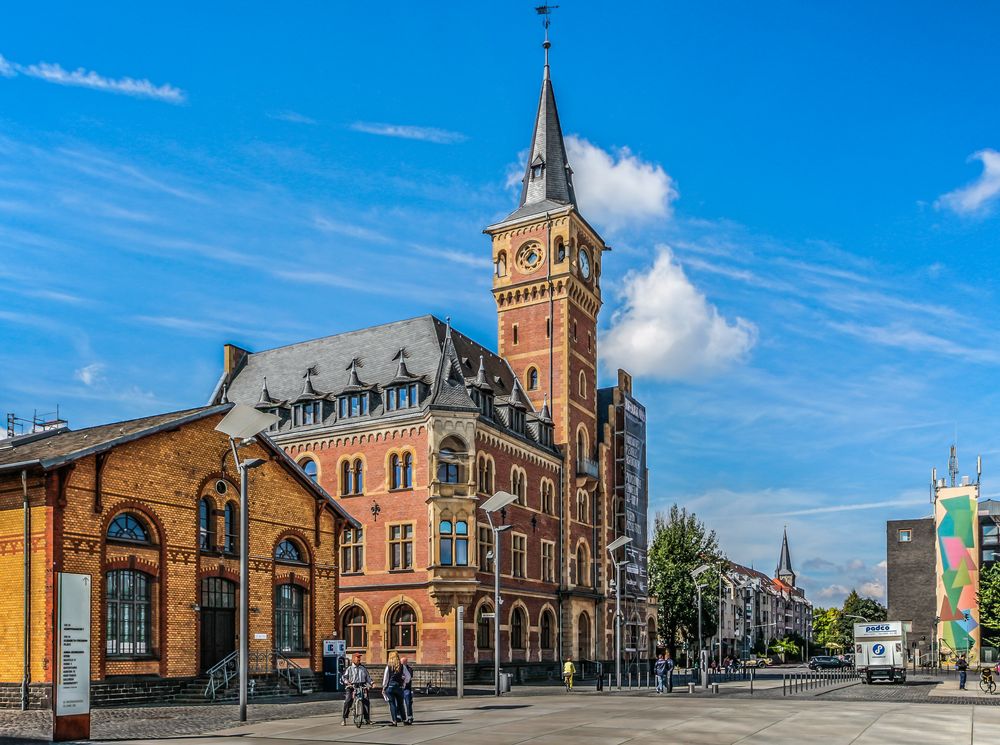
[73,645]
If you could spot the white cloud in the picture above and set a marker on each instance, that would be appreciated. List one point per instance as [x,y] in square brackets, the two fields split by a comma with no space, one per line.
[667,329]
[90,375]
[617,187]
[410,132]
[82,78]
[873,589]
[980,194]
[292,116]
[833,591]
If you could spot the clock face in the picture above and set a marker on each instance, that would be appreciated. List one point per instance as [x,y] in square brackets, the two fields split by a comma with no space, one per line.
[584,264]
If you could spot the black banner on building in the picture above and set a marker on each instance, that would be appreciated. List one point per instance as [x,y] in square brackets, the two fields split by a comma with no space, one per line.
[636,496]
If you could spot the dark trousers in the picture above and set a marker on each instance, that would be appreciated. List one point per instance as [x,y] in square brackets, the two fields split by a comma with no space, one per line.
[670,681]
[408,703]
[365,704]
[961,678]
[395,696]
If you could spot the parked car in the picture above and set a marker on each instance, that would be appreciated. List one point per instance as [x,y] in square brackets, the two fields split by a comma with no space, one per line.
[825,662]
[758,662]
[848,660]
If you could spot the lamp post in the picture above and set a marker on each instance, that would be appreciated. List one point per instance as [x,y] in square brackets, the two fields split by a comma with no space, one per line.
[702,660]
[243,423]
[497,502]
[612,547]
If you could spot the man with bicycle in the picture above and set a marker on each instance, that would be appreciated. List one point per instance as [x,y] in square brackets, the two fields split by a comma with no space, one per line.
[569,670]
[357,678]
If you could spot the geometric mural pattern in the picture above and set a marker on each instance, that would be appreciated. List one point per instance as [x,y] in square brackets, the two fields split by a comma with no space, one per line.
[956,522]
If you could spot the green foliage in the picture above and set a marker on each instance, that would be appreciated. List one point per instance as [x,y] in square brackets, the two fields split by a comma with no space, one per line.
[856,605]
[786,647]
[826,628]
[989,599]
[680,544]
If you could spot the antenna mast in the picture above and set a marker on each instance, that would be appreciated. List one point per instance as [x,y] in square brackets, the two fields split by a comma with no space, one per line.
[953,465]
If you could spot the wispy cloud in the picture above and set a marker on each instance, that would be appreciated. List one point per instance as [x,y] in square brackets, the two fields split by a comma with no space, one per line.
[410,132]
[329,225]
[849,507]
[291,116]
[976,197]
[90,374]
[82,78]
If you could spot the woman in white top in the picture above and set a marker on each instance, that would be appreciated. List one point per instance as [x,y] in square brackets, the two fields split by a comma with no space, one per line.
[393,679]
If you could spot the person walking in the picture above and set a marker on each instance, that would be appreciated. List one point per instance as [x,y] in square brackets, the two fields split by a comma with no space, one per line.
[394,679]
[963,667]
[407,691]
[660,670]
[357,674]
[569,670]
[669,678]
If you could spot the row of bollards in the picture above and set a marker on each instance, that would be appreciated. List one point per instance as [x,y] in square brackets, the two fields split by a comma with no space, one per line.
[792,683]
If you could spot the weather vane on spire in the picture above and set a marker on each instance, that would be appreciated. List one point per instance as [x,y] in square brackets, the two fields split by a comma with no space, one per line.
[545,11]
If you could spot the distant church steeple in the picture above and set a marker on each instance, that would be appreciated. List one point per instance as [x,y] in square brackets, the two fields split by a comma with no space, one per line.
[784,571]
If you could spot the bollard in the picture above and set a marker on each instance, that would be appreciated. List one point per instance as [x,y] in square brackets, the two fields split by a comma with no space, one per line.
[715,687]
[690,687]
[784,682]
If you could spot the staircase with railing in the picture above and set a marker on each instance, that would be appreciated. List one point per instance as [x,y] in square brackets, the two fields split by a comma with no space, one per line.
[265,669]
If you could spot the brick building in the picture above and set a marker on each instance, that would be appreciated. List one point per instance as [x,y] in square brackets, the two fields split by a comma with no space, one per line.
[412,423]
[149,509]
[910,579]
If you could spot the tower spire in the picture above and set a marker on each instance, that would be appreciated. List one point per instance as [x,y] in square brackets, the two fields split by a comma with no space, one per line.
[784,571]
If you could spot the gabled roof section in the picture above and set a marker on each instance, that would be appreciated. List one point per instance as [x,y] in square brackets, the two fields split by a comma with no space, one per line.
[785,560]
[449,390]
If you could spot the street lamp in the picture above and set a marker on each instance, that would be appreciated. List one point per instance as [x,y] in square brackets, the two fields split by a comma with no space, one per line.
[702,666]
[612,547]
[497,502]
[243,423]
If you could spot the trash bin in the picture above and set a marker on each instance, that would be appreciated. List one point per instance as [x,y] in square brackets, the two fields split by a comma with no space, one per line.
[505,682]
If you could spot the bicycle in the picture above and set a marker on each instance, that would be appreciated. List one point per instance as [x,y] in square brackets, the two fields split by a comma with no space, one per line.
[987,684]
[358,707]
[568,682]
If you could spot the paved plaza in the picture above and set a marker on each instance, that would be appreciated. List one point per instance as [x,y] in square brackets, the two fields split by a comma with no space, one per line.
[855,714]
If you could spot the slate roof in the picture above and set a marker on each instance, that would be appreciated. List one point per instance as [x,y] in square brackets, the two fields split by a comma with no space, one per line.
[785,560]
[52,449]
[425,349]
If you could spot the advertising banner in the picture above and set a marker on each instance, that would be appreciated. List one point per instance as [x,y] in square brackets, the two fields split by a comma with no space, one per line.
[636,496]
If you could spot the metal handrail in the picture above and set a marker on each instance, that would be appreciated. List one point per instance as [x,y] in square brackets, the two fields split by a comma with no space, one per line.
[221,673]
[290,667]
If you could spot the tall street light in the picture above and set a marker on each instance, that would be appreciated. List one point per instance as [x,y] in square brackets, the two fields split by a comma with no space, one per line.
[494,504]
[702,666]
[243,423]
[612,547]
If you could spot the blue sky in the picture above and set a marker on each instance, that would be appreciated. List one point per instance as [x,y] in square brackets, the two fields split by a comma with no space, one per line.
[802,201]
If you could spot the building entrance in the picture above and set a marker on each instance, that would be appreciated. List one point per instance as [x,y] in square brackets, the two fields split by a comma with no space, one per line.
[218,620]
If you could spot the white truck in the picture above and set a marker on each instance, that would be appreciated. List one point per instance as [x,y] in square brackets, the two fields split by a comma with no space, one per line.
[880,651]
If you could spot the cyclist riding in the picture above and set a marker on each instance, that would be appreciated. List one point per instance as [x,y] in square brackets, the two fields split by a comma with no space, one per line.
[569,670]
[357,680]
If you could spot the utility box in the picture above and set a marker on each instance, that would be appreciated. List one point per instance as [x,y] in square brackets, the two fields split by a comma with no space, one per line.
[334,663]
[506,679]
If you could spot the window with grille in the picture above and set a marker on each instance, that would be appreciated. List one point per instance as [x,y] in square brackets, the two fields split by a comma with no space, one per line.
[518,555]
[401,470]
[547,635]
[354,624]
[231,526]
[484,628]
[128,613]
[206,524]
[402,628]
[352,551]
[454,543]
[518,637]
[548,561]
[401,546]
[289,551]
[485,548]
[289,618]
[128,527]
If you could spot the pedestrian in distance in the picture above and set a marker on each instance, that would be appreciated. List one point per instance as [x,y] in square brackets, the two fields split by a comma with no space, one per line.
[660,670]
[569,670]
[963,667]
[357,677]
[407,691]
[670,672]
[394,679]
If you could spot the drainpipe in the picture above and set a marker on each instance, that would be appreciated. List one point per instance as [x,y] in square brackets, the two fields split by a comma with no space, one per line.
[562,499]
[26,673]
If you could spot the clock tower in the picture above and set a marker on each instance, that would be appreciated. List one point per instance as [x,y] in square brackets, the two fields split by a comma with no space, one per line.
[546,283]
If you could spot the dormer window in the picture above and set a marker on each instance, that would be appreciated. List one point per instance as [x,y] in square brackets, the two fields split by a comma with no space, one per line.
[517,420]
[354,404]
[402,397]
[307,413]
[536,170]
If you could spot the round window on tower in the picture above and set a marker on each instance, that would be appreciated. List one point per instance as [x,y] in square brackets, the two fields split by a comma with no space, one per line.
[529,256]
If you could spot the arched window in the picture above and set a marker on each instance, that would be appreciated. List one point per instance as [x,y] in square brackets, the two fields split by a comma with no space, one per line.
[128,527]
[583,637]
[582,506]
[407,470]
[354,624]
[548,500]
[206,524]
[582,566]
[359,477]
[309,466]
[548,640]
[454,543]
[396,471]
[518,487]
[451,459]
[532,379]
[401,468]
[518,638]
[288,550]
[128,611]
[402,628]
[485,475]
[583,384]
[560,250]
[231,525]
[346,478]
[582,452]
[484,627]
[289,618]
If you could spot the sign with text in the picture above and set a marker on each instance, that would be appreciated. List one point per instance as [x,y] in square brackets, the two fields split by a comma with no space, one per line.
[72,656]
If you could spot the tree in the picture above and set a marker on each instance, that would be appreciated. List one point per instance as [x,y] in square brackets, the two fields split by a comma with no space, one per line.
[826,628]
[855,605]
[989,599]
[680,544]
[784,647]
